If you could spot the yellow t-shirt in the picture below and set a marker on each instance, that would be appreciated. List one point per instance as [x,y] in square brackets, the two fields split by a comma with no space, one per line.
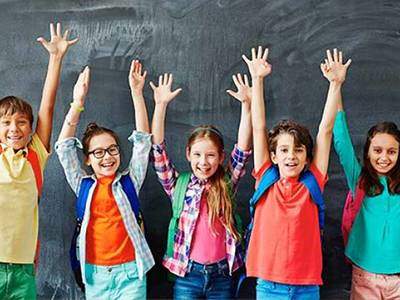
[19,203]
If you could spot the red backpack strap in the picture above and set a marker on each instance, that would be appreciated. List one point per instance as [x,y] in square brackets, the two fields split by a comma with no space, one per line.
[34,161]
[351,209]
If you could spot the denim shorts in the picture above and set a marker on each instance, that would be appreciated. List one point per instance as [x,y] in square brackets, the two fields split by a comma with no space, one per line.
[210,281]
[269,290]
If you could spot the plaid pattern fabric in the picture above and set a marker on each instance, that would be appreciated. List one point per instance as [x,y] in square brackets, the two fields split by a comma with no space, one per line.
[167,175]
[67,154]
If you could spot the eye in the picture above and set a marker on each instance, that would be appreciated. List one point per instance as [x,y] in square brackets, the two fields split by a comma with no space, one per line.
[377,151]
[5,123]
[196,154]
[299,150]
[284,150]
[22,122]
[113,150]
[392,152]
[99,153]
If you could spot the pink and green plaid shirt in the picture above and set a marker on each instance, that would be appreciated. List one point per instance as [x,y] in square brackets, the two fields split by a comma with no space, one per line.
[167,176]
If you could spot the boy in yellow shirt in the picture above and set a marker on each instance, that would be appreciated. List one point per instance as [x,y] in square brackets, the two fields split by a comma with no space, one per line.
[22,161]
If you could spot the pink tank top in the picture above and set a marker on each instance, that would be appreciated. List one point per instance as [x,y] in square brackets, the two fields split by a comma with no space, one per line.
[208,243]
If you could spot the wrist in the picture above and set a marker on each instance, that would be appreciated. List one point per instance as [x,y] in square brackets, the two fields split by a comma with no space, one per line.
[76,106]
[56,57]
[136,93]
[336,84]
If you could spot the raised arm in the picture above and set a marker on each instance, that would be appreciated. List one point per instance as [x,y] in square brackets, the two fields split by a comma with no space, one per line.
[136,83]
[243,94]
[259,68]
[335,72]
[162,96]
[79,95]
[57,48]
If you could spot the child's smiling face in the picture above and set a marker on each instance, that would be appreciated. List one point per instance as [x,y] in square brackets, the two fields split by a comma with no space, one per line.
[290,158]
[204,157]
[15,130]
[383,153]
[103,155]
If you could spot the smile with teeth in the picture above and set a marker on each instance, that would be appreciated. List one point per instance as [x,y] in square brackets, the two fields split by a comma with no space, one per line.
[108,164]
[291,164]
[204,170]
[14,138]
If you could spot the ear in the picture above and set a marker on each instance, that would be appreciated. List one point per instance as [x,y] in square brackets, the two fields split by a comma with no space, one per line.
[222,158]
[87,161]
[273,157]
[188,153]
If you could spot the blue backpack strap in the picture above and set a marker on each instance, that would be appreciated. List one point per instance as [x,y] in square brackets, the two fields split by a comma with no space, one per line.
[268,179]
[308,179]
[129,189]
[80,204]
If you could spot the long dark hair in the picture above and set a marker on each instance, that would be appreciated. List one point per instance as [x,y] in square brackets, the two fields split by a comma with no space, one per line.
[369,180]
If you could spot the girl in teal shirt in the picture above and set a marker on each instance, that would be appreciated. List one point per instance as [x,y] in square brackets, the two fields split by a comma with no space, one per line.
[374,241]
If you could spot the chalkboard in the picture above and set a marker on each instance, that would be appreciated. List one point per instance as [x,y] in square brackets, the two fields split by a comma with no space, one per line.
[201,43]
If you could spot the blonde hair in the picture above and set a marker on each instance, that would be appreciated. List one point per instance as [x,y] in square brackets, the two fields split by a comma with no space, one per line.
[219,197]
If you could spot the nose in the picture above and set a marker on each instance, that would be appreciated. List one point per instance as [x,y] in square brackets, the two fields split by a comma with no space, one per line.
[203,160]
[291,153]
[13,126]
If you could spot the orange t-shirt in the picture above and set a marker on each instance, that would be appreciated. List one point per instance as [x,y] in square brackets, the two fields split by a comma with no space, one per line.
[107,242]
[285,244]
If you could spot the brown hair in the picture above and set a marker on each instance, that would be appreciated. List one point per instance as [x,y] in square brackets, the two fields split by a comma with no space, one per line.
[11,104]
[369,180]
[220,204]
[300,134]
[92,130]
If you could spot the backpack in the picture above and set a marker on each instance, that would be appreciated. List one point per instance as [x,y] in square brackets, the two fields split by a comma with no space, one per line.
[270,177]
[177,207]
[33,159]
[86,183]
[350,211]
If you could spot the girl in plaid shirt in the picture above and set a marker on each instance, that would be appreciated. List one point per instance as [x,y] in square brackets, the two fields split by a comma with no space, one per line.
[114,255]
[205,250]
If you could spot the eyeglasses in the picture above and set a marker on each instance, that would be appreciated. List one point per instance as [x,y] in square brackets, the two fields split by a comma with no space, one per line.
[113,150]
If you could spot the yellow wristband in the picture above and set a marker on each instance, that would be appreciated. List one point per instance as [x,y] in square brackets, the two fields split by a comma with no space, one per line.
[77,107]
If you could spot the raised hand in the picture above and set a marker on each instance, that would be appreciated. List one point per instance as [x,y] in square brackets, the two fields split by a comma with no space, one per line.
[333,69]
[136,78]
[59,43]
[81,87]
[243,93]
[258,65]
[162,92]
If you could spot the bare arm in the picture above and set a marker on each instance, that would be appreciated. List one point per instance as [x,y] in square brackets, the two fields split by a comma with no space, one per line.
[162,96]
[335,72]
[57,48]
[259,68]
[136,83]
[72,118]
[243,94]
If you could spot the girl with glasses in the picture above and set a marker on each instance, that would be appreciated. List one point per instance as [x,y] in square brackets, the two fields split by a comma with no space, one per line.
[113,253]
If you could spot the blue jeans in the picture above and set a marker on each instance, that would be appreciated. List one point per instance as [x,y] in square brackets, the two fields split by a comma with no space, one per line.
[204,281]
[114,282]
[268,290]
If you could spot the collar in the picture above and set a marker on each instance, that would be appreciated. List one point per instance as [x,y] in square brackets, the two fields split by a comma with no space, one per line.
[23,151]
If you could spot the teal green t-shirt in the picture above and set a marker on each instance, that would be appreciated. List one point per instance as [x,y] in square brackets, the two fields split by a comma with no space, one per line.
[374,241]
